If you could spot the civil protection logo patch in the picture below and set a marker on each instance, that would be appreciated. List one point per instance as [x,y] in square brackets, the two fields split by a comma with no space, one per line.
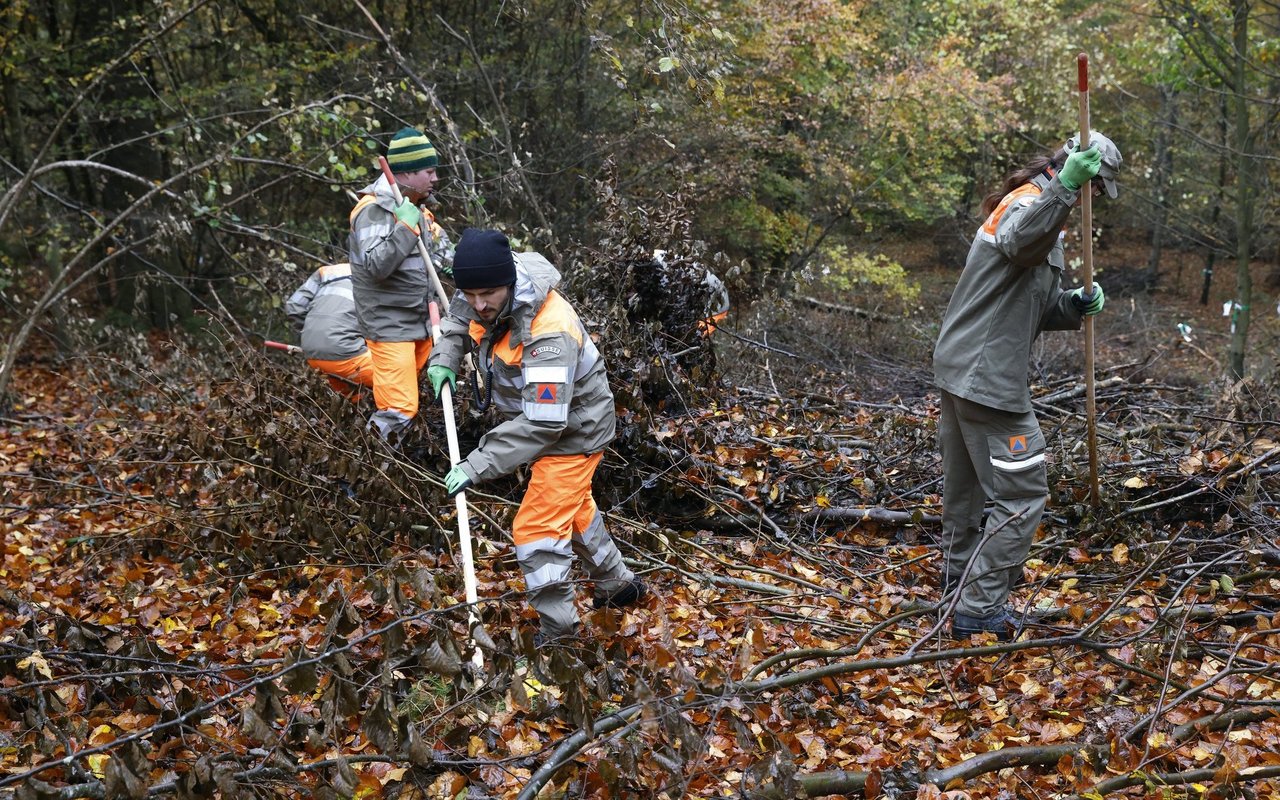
[546,393]
[1017,444]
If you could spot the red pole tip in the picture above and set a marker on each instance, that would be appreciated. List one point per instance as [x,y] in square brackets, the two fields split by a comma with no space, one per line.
[386,170]
[1082,70]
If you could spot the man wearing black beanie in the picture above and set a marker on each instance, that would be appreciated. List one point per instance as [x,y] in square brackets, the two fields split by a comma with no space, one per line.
[547,379]
[486,262]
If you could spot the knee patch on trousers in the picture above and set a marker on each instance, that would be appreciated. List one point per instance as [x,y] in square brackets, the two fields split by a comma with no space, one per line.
[1018,466]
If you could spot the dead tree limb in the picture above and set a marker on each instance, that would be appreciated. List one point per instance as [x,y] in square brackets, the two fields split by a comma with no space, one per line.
[1213,775]
[887,516]
[823,305]
[571,745]
[1218,484]
[1076,391]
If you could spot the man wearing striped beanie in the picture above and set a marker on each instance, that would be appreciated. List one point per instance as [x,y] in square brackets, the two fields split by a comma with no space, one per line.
[390,281]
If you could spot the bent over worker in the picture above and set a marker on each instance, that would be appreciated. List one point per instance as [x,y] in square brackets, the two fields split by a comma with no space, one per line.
[717,294]
[992,447]
[323,310]
[717,303]
[548,381]
[390,280]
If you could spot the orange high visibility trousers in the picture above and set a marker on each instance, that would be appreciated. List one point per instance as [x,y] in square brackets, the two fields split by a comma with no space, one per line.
[558,518]
[344,372]
[558,500]
[395,384]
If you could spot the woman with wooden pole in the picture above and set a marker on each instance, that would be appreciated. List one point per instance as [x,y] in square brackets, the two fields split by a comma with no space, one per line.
[992,446]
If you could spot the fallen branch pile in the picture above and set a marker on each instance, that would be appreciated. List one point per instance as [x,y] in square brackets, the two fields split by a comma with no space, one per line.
[247,597]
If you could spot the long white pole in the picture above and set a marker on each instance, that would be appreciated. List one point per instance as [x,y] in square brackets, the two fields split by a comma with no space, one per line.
[451,433]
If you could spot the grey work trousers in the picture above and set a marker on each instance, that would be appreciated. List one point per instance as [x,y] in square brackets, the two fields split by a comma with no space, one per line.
[989,454]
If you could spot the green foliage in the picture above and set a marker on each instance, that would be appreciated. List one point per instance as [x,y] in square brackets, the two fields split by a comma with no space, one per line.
[862,274]
[826,123]
[427,698]
[792,124]
[752,227]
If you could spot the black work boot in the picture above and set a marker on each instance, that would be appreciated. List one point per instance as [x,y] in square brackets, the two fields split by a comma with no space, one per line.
[1001,623]
[628,595]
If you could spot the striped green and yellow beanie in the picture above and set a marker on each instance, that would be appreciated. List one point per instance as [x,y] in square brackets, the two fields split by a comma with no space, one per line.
[410,151]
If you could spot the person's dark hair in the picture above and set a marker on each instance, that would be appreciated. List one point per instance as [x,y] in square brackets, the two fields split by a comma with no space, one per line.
[1020,176]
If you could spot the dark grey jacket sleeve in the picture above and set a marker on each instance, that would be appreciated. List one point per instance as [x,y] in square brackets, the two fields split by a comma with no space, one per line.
[1030,228]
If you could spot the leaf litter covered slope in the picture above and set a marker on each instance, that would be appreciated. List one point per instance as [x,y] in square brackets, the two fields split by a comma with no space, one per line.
[194,604]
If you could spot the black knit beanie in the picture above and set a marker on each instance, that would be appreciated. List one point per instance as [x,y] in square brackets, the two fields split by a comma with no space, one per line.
[482,260]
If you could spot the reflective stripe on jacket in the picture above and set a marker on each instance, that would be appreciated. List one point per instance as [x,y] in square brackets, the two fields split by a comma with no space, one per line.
[549,380]
[389,279]
[324,310]
[1010,291]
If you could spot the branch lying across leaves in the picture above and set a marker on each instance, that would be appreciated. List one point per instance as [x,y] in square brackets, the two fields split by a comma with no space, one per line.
[1184,778]
[862,313]
[817,784]
[571,745]
[886,516]
[1216,485]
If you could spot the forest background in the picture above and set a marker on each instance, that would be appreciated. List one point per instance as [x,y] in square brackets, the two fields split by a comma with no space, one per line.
[214,584]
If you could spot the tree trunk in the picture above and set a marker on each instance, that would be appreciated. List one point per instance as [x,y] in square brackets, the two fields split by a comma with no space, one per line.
[146,278]
[1216,213]
[1160,182]
[54,262]
[1243,141]
[1272,280]
[169,300]
[15,126]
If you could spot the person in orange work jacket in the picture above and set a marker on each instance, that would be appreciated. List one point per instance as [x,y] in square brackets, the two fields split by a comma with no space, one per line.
[323,311]
[548,381]
[390,281]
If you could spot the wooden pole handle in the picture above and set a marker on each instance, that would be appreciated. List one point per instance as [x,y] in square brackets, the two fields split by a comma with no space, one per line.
[1086,237]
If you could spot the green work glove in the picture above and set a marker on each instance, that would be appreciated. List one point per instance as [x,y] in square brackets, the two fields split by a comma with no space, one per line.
[438,375]
[456,480]
[1080,167]
[1088,304]
[409,214]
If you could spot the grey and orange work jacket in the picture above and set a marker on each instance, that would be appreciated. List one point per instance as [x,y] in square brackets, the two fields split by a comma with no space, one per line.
[1010,291]
[548,379]
[324,311]
[388,276]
